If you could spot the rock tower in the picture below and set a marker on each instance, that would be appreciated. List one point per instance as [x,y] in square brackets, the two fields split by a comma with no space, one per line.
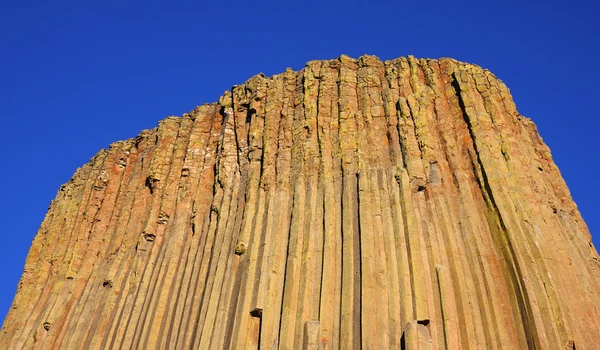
[352,204]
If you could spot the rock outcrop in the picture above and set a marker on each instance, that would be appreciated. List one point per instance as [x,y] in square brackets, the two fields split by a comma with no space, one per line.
[356,203]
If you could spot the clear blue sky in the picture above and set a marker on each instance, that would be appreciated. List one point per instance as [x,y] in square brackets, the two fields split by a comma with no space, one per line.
[78,75]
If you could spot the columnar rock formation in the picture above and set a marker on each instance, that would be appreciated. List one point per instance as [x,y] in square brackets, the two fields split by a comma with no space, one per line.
[356,203]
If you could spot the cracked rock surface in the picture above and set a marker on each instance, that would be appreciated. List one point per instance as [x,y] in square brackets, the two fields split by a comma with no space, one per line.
[355,203]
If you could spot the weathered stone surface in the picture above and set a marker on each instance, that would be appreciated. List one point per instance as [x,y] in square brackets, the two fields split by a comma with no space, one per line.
[356,203]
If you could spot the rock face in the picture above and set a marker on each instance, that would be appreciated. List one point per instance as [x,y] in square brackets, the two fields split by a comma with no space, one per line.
[356,203]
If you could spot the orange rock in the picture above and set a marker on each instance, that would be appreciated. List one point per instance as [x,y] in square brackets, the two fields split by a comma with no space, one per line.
[356,203]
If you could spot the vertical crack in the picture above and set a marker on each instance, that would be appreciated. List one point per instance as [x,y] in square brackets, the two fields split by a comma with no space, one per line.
[360,268]
[505,246]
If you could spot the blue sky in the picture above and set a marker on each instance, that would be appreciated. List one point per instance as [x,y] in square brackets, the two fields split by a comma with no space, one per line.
[76,76]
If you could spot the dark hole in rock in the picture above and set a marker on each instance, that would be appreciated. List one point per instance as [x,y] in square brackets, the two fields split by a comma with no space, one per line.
[185,172]
[107,284]
[256,312]
[250,114]
[149,237]
[418,185]
[423,322]
[47,326]
[151,183]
